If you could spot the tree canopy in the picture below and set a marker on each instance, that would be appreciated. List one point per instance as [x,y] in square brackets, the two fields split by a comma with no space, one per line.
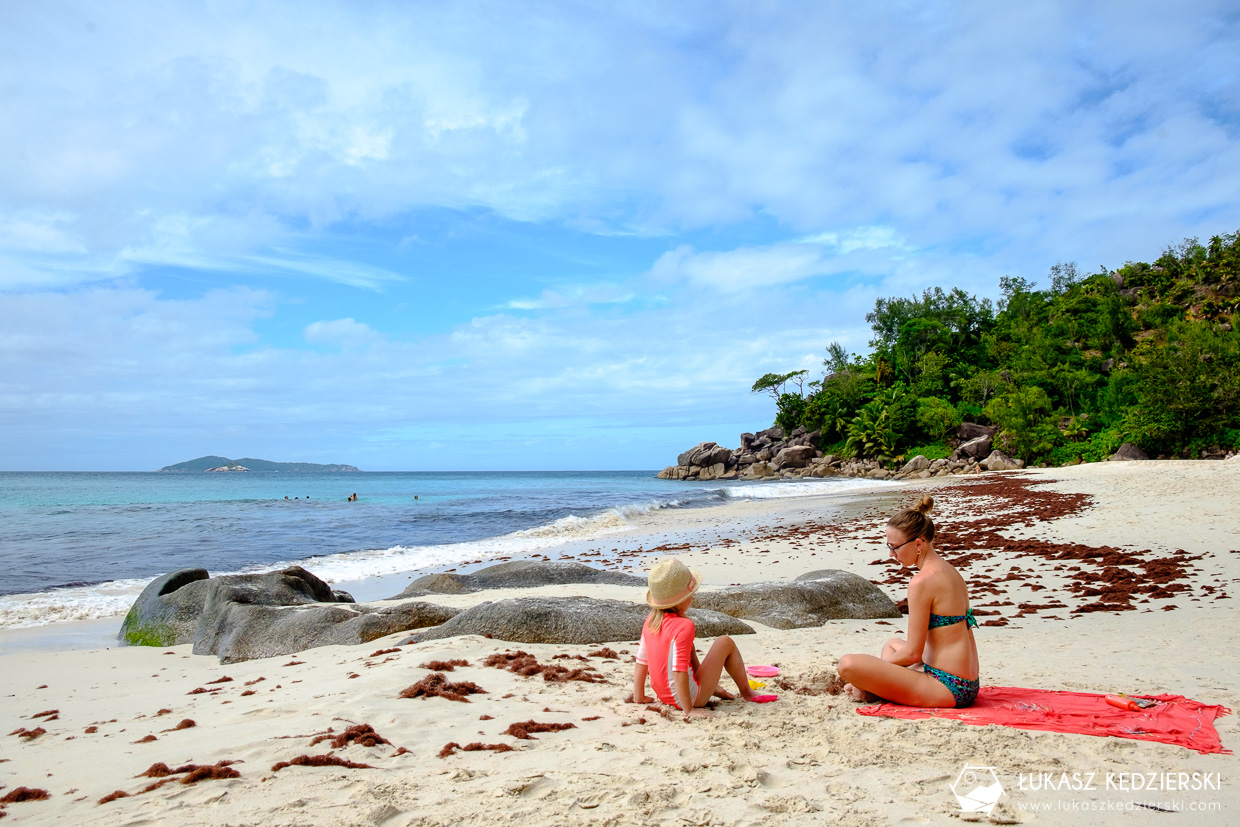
[1145,353]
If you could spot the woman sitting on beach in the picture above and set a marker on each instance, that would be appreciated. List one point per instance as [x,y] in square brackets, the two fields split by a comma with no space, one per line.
[666,652]
[937,665]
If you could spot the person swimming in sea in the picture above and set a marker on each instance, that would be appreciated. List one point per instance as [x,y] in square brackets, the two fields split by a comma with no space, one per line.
[936,665]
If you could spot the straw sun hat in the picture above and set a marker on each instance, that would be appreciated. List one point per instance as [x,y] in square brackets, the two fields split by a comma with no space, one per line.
[671,581]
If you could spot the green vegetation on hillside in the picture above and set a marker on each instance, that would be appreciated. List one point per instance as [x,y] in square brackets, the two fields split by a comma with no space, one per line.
[1148,354]
[209,462]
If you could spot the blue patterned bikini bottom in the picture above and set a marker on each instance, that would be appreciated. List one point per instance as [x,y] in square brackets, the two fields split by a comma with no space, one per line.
[965,692]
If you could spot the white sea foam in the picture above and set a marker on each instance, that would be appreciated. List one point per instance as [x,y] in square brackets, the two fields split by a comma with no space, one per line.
[19,611]
[805,488]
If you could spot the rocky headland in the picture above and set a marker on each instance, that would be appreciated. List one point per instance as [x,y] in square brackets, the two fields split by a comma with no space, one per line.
[775,454]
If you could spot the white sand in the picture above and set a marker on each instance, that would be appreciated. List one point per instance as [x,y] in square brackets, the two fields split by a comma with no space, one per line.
[807,759]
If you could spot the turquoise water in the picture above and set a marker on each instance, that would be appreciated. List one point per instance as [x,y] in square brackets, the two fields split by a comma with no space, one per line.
[76,529]
[79,545]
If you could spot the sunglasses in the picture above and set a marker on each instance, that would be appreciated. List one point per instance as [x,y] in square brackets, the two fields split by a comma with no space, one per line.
[894,549]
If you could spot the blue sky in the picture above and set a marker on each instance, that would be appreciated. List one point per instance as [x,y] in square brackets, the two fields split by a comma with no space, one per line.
[548,235]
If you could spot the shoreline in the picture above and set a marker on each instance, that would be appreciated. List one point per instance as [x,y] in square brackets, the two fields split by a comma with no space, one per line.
[648,527]
[806,759]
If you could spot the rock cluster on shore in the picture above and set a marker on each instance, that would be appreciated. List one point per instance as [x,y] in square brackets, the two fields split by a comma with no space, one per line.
[774,454]
[247,616]
[244,616]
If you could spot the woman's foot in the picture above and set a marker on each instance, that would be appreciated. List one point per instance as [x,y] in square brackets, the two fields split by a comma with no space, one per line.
[859,694]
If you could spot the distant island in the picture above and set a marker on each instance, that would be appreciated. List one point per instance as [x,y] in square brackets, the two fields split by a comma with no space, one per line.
[224,464]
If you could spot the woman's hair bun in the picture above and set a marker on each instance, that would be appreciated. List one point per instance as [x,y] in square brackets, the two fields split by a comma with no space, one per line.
[924,505]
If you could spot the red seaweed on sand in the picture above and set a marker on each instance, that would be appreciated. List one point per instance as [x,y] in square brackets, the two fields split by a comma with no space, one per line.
[29,734]
[476,746]
[361,734]
[436,685]
[607,653]
[526,665]
[523,729]
[20,794]
[443,665]
[193,772]
[320,761]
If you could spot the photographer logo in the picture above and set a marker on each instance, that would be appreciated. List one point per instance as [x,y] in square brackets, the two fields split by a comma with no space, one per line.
[977,789]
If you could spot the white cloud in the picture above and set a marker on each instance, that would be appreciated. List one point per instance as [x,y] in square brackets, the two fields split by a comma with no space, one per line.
[341,333]
[1038,125]
[859,238]
[741,269]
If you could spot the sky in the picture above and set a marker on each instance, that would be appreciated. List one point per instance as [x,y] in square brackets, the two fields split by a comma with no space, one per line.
[548,235]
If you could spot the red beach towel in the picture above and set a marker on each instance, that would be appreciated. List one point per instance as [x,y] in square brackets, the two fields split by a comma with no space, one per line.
[1177,720]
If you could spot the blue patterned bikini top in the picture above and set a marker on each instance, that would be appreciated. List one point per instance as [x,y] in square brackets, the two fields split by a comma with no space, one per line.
[948,620]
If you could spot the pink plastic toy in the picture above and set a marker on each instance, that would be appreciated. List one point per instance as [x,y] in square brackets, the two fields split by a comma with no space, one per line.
[763,671]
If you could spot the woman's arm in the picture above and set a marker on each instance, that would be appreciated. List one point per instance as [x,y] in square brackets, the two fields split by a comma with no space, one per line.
[920,596]
[640,671]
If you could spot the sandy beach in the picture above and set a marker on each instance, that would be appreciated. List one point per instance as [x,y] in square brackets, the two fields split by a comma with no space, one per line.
[110,717]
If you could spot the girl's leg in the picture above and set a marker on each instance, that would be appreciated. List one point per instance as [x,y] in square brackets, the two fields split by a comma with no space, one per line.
[897,684]
[723,654]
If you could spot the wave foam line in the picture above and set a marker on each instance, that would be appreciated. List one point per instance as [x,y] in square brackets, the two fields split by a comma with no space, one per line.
[805,488]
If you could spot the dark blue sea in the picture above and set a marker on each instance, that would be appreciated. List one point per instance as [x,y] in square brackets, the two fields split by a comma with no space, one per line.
[76,546]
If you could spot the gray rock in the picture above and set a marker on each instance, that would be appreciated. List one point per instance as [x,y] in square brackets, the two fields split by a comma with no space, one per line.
[704,454]
[518,574]
[167,611]
[758,470]
[567,620]
[999,461]
[917,463]
[975,448]
[796,456]
[810,600]
[971,430]
[1128,453]
[277,613]
[772,434]
[240,632]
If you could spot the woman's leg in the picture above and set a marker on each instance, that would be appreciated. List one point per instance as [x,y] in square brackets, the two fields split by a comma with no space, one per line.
[897,684]
[723,654]
[862,695]
[891,646]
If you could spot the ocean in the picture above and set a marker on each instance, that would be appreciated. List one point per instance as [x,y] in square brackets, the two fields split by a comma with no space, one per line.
[79,546]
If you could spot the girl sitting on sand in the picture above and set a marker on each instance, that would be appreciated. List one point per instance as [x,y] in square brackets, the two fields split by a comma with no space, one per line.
[937,665]
[666,652]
